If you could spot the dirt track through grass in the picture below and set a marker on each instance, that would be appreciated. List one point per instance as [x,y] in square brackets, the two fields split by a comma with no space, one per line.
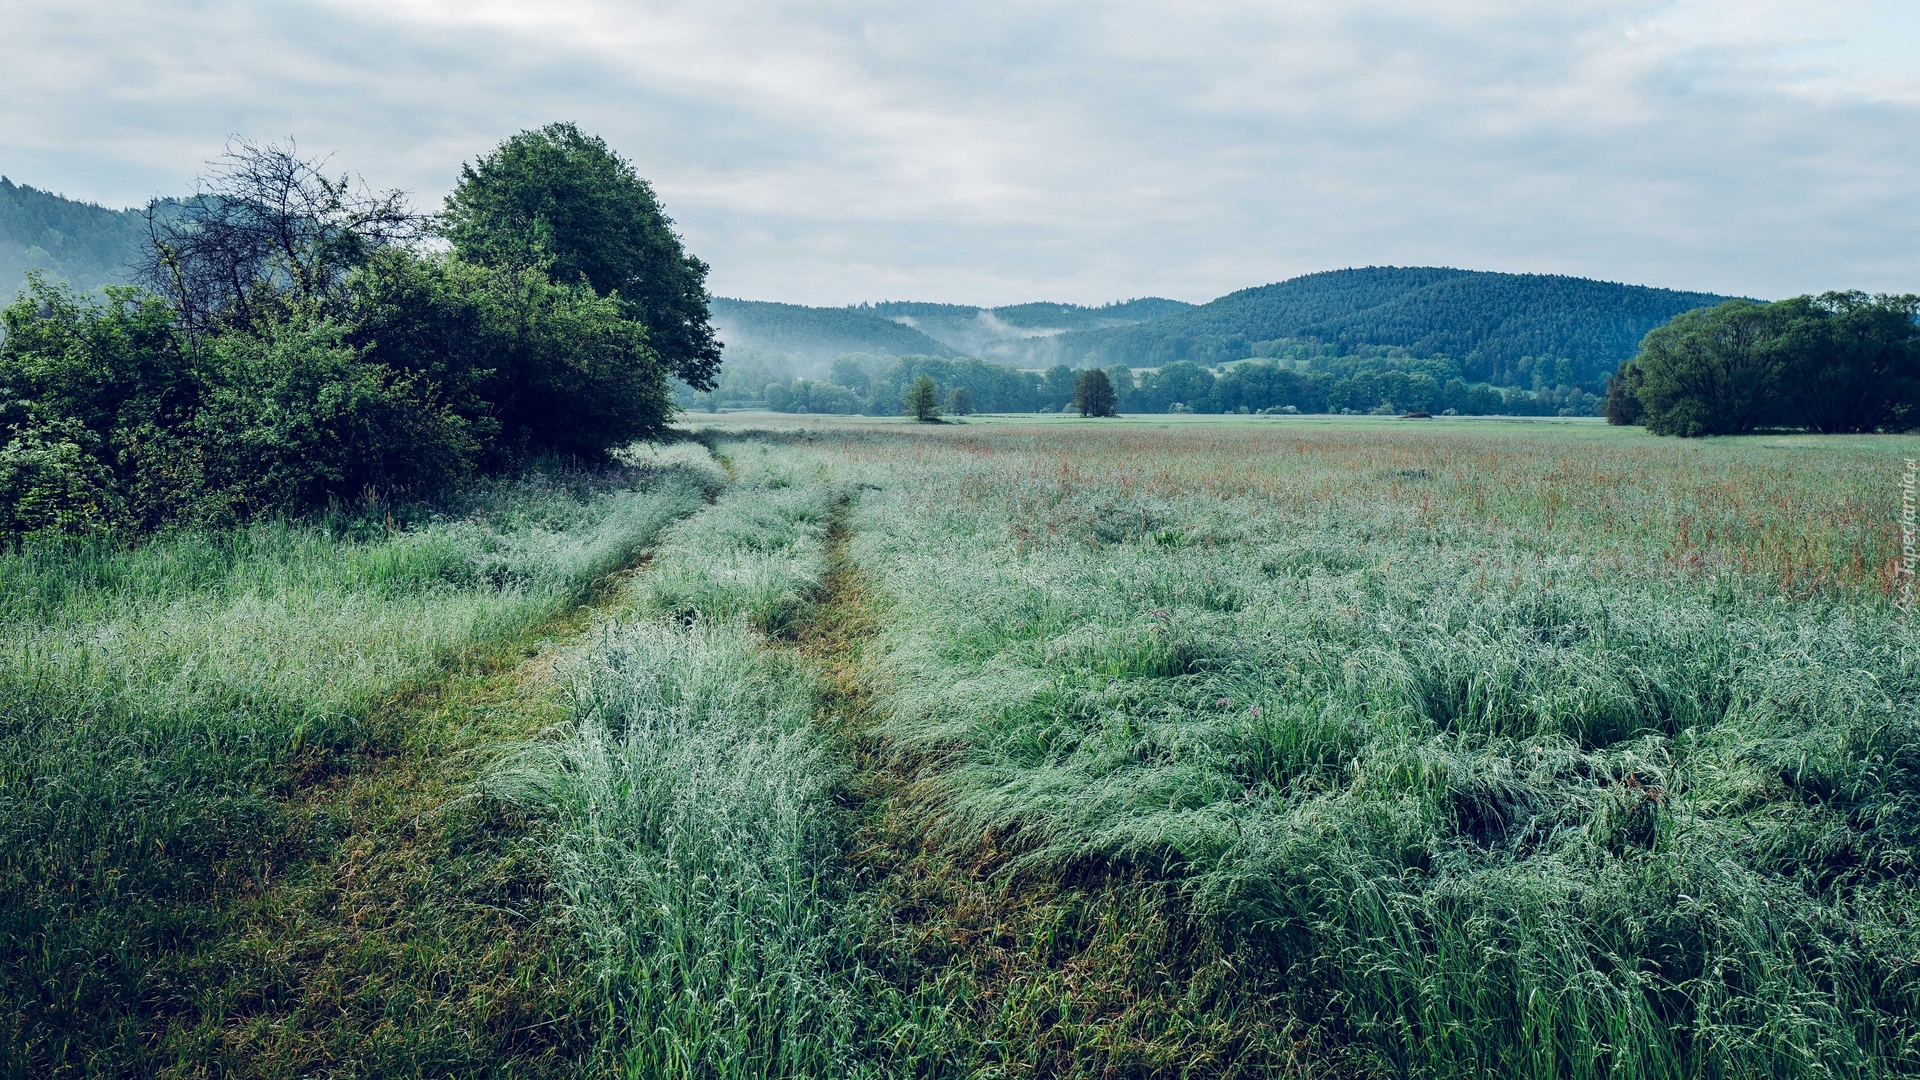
[425,942]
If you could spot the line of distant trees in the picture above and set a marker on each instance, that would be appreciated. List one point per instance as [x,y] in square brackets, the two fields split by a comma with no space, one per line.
[1837,362]
[298,343]
[1347,385]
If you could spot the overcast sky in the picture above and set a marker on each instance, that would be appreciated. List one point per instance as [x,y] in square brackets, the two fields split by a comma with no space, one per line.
[986,152]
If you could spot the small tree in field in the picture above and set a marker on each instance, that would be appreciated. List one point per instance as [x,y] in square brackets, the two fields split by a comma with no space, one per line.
[1093,393]
[923,399]
[959,401]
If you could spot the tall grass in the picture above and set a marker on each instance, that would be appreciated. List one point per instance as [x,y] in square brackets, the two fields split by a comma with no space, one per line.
[1603,795]
[159,705]
[698,834]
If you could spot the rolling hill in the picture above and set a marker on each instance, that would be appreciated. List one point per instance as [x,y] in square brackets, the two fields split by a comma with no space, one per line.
[812,334]
[1017,332]
[84,245]
[1488,321]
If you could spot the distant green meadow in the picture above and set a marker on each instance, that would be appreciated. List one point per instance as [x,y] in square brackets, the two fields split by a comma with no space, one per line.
[1013,746]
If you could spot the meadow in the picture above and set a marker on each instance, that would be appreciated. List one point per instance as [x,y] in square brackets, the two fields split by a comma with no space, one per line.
[998,749]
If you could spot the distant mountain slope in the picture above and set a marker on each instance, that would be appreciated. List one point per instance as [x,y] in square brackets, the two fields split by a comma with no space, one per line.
[1488,321]
[1008,332]
[85,245]
[814,334]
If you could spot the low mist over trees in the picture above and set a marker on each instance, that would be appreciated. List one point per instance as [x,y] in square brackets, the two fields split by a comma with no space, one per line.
[1838,362]
[296,345]
[817,334]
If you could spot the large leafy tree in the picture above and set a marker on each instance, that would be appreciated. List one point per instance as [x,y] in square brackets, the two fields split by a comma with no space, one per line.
[1838,362]
[563,200]
[1846,362]
[922,399]
[1709,371]
[1093,393]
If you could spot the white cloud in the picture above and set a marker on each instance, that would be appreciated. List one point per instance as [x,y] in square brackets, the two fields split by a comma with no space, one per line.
[998,152]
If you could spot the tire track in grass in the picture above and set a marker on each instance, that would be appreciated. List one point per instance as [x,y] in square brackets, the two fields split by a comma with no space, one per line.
[984,976]
[423,940]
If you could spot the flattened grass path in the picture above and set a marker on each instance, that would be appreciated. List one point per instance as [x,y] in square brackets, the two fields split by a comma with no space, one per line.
[1070,979]
[422,941]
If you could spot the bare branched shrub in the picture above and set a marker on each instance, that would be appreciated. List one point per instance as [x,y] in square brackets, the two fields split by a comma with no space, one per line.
[267,230]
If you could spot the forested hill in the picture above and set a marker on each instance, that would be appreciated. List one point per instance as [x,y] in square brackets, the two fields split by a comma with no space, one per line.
[817,334]
[86,246]
[1488,321]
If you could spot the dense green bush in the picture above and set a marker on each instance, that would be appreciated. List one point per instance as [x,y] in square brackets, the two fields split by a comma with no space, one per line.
[292,420]
[51,478]
[348,365]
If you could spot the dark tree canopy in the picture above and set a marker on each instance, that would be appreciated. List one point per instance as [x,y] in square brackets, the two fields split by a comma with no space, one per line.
[1623,395]
[1838,362]
[564,200]
[1706,372]
[1093,393]
[1847,362]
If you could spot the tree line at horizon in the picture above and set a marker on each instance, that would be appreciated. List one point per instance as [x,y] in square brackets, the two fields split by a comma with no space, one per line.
[1367,384]
[296,343]
[1840,362]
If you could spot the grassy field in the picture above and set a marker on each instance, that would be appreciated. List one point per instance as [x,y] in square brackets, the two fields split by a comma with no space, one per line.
[1173,746]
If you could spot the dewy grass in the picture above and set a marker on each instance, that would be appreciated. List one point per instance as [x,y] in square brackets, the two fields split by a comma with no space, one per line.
[1622,797]
[698,839]
[697,850]
[160,705]
[754,555]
